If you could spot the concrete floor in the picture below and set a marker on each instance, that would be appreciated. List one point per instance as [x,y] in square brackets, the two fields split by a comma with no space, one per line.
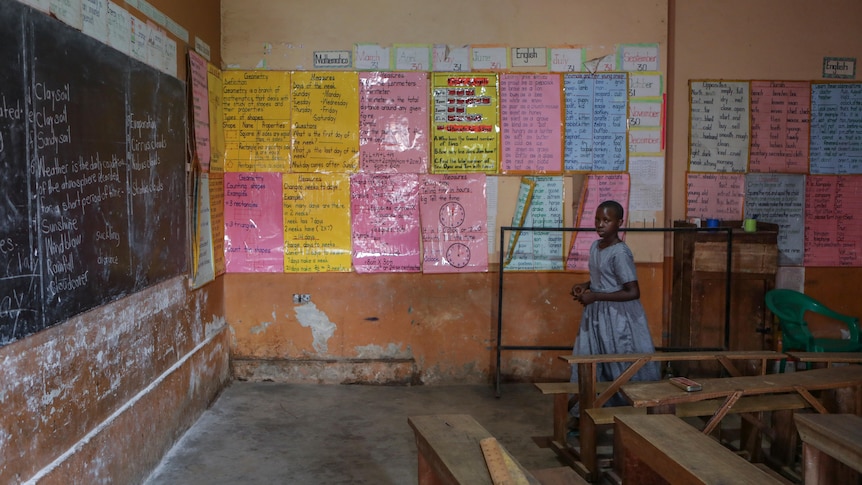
[269,433]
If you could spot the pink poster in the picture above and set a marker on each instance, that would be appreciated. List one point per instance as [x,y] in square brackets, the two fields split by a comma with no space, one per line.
[200,109]
[715,195]
[393,122]
[597,189]
[253,227]
[385,213]
[833,226]
[454,223]
[530,123]
[780,117]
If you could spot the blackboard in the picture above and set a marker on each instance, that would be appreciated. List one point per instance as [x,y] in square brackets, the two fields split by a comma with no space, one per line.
[93,156]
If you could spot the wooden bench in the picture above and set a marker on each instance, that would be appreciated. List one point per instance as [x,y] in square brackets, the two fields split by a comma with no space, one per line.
[561,392]
[662,449]
[831,447]
[450,453]
[591,397]
[745,406]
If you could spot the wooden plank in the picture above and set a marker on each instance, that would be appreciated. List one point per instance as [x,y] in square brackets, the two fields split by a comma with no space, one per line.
[838,435]
[834,357]
[751,404]
[565,387]
[675,356]
[449,445]
[654,393]
[681,454]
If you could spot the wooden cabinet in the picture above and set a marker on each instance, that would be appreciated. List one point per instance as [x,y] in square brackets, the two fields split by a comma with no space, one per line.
[698,305]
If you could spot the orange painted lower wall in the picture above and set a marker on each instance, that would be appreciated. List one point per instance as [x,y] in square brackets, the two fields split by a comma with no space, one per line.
[407,328]
[100,398]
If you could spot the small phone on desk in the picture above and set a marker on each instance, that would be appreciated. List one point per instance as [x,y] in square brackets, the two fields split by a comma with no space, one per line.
[686,384]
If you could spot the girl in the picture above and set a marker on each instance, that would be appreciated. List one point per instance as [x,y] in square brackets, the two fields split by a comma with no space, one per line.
[613,320]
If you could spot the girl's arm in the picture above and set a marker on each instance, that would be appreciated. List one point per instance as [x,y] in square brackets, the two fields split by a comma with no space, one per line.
[630,291]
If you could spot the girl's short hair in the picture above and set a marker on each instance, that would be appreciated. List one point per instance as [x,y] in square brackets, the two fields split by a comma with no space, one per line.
[614,206]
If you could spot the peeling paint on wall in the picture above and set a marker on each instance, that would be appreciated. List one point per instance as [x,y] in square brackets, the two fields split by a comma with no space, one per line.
[392,351]
[260,328]
[321,328]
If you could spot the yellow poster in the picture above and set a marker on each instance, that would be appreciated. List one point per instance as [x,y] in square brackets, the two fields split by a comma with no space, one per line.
[317,234]
[325,122]
[214,95]
[465,124]
[217,220]
[256,110]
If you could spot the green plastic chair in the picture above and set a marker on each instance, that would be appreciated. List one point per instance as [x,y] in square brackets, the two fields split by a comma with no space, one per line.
[791,306]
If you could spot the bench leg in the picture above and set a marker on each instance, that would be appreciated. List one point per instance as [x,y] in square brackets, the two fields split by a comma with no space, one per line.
[561,417]
[589,452]
[783,447]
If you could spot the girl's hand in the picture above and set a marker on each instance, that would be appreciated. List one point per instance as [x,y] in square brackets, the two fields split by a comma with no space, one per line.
[586,297]
[578,289]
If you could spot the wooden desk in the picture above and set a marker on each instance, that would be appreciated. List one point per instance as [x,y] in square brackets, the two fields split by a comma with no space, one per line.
[827,440]
[827,358]
[585,461]
[662,397]
[450,453]
[661,449]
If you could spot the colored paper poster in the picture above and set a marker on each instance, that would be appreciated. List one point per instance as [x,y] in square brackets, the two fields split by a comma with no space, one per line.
[465,123]
[217,208]
[719,126]
[385,210]
[780,118]
[836,128]
[596,113]
[597,189]
[567,59]
[454,231]
[833,227]
[94,20]
[200,109]
[325,122]
[256,111]
[645,85]
[530,122]
[203,263]
[119,27]
[540,250]
[779,199]
[647,185]
[316,222]
[393,122]
[645,112]
[448,58]
[216,122]
[522,206]
[639,57]
[254,228]
[714,196]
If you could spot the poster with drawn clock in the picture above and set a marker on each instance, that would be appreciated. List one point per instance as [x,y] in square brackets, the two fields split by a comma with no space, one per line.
[452,208]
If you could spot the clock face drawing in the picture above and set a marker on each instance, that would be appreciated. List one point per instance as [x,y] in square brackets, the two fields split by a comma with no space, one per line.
[452,214]
[458,255]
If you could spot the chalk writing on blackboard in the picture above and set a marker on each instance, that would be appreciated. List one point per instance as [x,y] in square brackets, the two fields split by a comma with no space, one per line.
[95,207]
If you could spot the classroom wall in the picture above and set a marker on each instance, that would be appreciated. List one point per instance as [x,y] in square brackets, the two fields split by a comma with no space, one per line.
[101,397]
[416,328]
[400,328]
[769,40]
